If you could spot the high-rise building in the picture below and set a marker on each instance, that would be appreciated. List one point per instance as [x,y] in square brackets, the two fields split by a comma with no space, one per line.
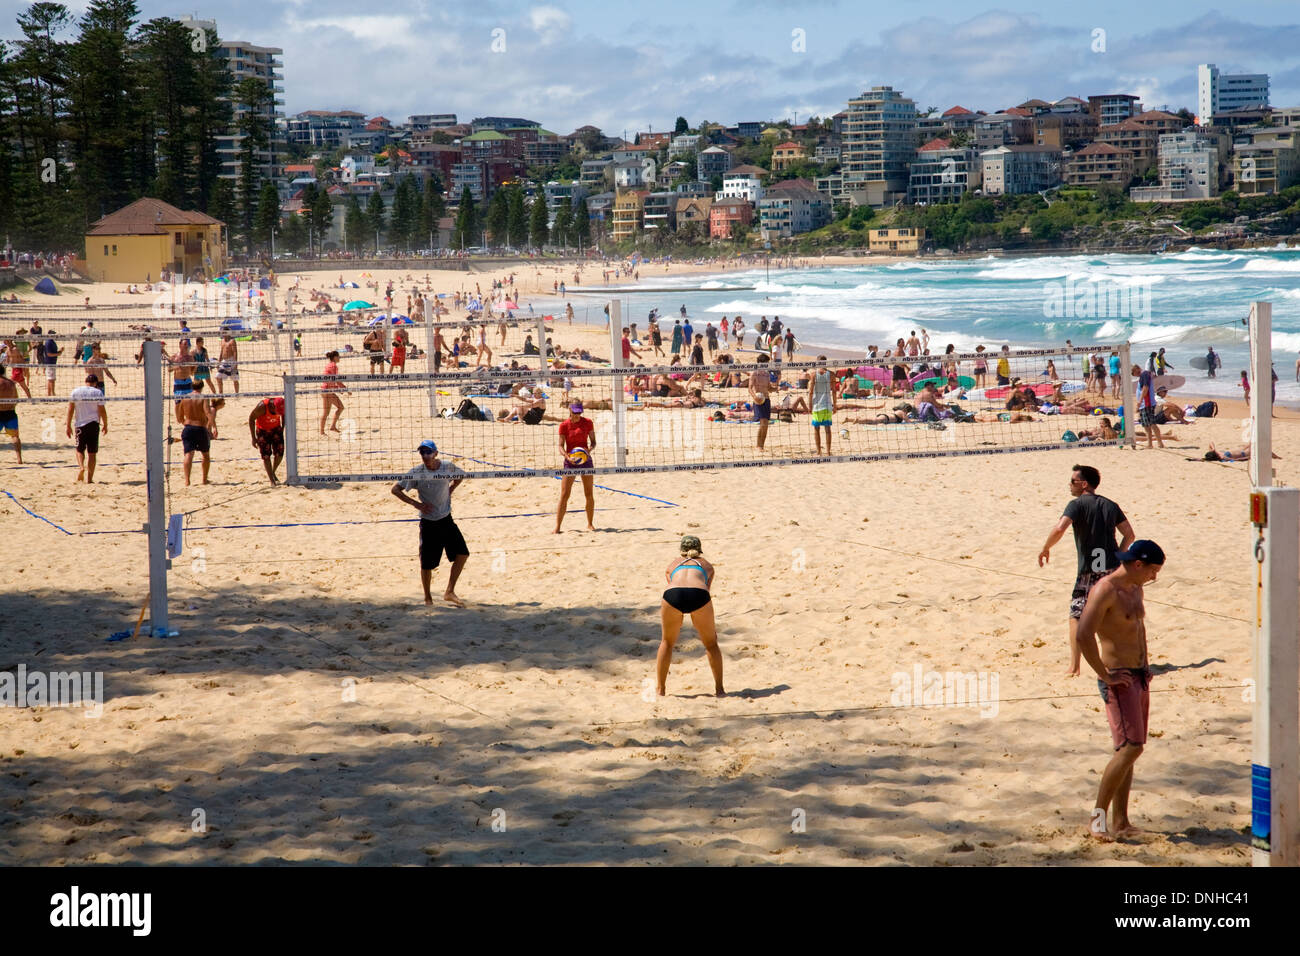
[1189,168]
[879,141]
[246,60]
[1216,92]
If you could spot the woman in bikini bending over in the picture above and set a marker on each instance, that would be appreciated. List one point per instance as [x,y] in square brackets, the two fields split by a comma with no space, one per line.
[689,579]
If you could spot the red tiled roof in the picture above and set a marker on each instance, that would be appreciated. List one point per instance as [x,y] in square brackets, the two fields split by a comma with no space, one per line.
[957,111]
[147,217]
[789,145]
[1102,149]
[939,143]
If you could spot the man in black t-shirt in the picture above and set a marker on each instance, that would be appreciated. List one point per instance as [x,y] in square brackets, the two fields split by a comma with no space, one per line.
[1095,520]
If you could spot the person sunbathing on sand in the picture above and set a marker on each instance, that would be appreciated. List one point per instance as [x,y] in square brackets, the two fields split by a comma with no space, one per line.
[1235,453]
[1103,432]
[694,400]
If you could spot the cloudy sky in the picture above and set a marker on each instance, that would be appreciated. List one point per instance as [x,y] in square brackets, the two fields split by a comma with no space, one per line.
[632,66]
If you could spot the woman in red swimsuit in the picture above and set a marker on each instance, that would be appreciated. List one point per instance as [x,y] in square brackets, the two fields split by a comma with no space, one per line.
[329,392]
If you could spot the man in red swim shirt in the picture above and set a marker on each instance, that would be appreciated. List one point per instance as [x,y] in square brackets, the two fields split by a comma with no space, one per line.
[577,440]
[1115,617]
[266,429]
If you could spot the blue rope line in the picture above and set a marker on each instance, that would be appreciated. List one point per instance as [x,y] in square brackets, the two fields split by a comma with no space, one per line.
[35,515]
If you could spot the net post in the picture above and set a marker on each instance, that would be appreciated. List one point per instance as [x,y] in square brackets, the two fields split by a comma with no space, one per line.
[293,350]
[429,313]
[291,429]
[1127,396]
[1261,401]
[616,383]
[156,528]
[1275,785]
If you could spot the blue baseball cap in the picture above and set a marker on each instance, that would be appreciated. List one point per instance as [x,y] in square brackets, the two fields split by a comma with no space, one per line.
[429,446]
[1148,552]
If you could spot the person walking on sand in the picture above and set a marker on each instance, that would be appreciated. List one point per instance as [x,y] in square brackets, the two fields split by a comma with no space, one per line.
[690,578]
[760,386]
[198,427]
[87,414]
[329,390]
[823,400]
[577,442]
[1095,520]
[434,481]
[266,429]
[9,411]
[1115,618]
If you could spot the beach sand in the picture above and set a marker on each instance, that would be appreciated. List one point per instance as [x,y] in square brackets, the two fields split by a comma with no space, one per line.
[313,710]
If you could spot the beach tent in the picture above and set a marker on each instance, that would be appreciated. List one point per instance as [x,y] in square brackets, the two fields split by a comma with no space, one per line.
[351,285]
[222,279]
[358,304]
[397,320]
[233,325]
[46,286]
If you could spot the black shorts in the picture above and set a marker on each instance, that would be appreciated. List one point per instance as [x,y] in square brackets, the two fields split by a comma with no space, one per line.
[533,416]
[687,600]
[376,358]
[437,537]
[88,438]
[195,438]
[661,391]
[763,411]
[270,442]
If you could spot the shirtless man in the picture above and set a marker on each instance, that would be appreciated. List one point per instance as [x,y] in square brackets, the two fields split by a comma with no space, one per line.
[1114,617]
[9,411]
[228,363]
[182,370]
[760,387]
[199,421]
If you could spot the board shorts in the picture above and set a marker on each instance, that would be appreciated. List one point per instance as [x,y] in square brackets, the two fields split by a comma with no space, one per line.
[270,441]
[88,438]
[195,438]
[533,416]
[50,371]
[202,374]
[1147,415]
[20,374]
[1083,586]
[9,420]
[687,600]
[182,386]
[228,370]
[763,410]
[439,536]
[377,358]
[821,418]
[1128,708]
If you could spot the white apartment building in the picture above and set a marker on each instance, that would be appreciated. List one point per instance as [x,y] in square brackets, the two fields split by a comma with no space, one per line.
[877,145]
[743,182]
[1217,92]
[245,60]
[1189,169]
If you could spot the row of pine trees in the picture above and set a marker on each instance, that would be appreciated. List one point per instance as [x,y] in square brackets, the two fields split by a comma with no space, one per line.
[99,111]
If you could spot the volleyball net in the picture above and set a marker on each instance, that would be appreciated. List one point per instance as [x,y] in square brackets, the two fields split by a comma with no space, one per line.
[504,423]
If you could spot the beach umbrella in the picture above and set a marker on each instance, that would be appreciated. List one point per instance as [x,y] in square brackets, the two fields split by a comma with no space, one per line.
[253,292]
[358,304]
[351,285]
[222,279]
[511,306]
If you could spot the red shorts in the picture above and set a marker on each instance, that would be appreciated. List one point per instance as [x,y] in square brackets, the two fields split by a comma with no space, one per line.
[20,374]
[1127,707]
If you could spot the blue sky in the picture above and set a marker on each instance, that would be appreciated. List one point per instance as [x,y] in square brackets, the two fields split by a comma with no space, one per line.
[635,65]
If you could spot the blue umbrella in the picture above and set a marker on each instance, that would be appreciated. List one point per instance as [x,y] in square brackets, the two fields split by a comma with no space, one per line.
[358,304]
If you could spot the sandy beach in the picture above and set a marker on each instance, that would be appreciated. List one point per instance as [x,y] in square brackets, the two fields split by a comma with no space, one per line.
[312,710]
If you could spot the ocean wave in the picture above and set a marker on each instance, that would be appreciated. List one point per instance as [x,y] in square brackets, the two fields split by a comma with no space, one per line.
[1273,265]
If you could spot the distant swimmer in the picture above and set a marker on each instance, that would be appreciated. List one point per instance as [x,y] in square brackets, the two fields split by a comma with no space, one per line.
[690,578]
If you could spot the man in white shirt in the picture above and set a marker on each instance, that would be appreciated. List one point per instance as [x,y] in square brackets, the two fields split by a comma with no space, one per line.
[86,413]
[434,481]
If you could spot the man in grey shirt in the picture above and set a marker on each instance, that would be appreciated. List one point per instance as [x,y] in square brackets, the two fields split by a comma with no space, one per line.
[434,481]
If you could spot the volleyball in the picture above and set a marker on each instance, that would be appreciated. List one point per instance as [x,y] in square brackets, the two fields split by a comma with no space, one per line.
[844,433]
[579,458]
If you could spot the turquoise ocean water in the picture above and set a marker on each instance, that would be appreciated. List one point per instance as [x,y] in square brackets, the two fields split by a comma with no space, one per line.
[1182,302]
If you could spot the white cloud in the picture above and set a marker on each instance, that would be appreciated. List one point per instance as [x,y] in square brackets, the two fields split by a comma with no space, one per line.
[550,23]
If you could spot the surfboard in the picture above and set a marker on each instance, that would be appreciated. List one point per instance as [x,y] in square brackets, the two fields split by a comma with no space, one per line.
[1002,391]
[1170,382]
[1200,362]
[965,381]
[882,375]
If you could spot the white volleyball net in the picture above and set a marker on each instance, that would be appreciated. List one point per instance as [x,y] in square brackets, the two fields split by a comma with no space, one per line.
[504,423]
